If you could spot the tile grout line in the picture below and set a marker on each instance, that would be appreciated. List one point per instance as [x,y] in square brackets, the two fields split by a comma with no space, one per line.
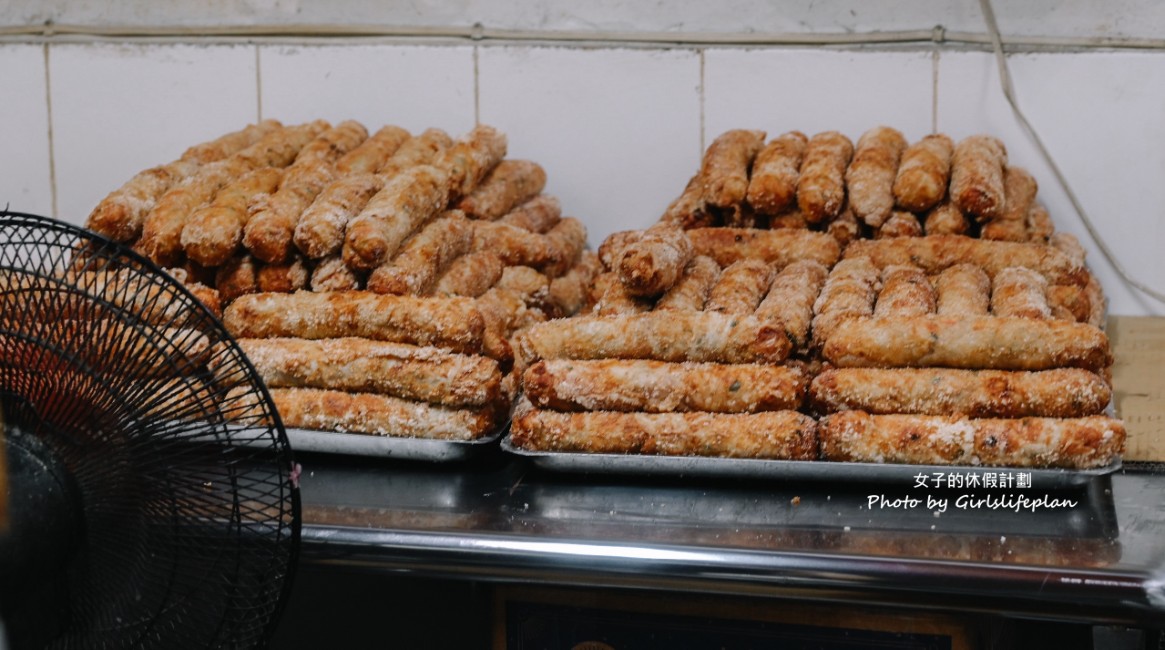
[700,154]
[934,65]
[476,87]
[258,85]
[48,96]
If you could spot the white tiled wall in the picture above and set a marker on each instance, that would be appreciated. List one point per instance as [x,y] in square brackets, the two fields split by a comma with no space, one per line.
[618,130]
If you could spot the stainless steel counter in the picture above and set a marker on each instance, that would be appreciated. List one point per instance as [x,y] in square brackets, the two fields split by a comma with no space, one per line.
[1097,557]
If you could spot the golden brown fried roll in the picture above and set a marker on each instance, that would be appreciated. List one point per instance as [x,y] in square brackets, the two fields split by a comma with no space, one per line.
[512,305]
[653,263]
[271,226]
[364,366]
[514,245]
[416,151]
[963,290]
[924,172]
[661,387]
[848,292]
[977,177]
[1019,189]
[470,275]
[539,214]
[612,247]
[935,253]
[568,239]
[724,170]
[740,287]
[773,185]
[238,277]
[906,291]
[470,158]
[424,257]
[611,297]
[285,277]
[1020,293]
[664,336]
[1060,393]
[689,210]
[230,143]
[821,188]
[209,297]
[511,183]
[331,410]
[1002,230]
[946,219]
[281,148]
[568,293]
[870,176]
[1067,244]
[1069,303]
[406,203]
[214,232]
[786,435]
[788,220]
[777,247]
[844,228]
[690,292]
[450,323]
[161,239]
[900,224]
[1079,443]
[790,299]
[119,215]
[1039,224]
[967,342]
[320,231]
[373,153]
[332,274]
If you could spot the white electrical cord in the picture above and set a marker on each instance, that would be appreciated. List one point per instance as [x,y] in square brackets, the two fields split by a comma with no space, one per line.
[1009,93]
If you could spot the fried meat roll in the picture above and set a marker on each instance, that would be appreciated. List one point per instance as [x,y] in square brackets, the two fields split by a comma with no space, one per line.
[1079,443]
[470,275]
[424,257]
[611,297]
[849,292]
[650,265]
[269,230]
[977,177]
[161,239]
[406,202]
[470,158]
[1069,303]
[331,410]
[900,224]
[724,169]
[373,153]
[568,292]
[690,292]
[963,290]
[230,143]
[777,247]
[924,173]
[1003,230]
[946,219]
[1039,224]
[514,245]
[364,366]
[870,176]
[512,305]
[772,189]
[539,214]
[612,247]
[662,387]
[1020,293]
[284,277]
[1019,190]
[689,210]
[450,323]
[214,232]
[844,228]
[511,183]
[790,299]
[740,288]
[933,254]
[119,215]
[568,239]
[784,435]
[1060,393]
[1067,244]
[792,219]
[281,148]
[416,151]
[821,188]
[320,231]
[238,277]
[663,336]
[967,342]
[906,291]
[332,274]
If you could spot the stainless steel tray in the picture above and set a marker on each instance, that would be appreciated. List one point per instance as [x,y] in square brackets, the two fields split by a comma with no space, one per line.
[798,470]
[360,444]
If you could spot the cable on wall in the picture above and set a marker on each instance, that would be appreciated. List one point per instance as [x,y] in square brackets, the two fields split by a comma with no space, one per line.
[1009,93]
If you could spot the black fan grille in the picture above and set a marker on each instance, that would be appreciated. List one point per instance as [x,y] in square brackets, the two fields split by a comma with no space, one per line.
[188,508]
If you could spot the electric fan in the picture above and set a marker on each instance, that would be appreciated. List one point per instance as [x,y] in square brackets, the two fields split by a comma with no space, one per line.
[145,502]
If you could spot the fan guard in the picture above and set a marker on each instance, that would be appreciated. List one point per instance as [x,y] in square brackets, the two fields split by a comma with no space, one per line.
[176,482]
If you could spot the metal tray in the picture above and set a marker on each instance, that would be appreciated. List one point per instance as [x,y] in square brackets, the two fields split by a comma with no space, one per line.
[797,470]
[359,444]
